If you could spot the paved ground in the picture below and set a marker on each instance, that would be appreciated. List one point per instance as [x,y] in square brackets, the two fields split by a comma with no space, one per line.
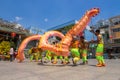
[34,71]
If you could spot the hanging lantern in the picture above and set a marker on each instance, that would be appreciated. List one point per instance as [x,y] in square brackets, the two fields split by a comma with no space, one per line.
[13,34]
[111,37]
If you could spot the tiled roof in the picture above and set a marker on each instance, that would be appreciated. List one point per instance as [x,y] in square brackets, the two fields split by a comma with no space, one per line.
[17,31]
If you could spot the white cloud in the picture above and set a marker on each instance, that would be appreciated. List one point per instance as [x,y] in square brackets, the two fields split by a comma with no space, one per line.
[18,18]
[46,20]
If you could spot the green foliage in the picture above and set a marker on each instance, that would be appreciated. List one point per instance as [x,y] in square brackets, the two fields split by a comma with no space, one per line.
[4,47]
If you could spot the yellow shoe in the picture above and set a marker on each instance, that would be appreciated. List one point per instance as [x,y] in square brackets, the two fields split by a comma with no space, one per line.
[68,62]
[64,63]
[99,65]
[54,62]
[103,64]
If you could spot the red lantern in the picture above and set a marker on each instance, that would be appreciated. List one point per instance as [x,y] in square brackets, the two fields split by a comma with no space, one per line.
[13,34]
[111,37]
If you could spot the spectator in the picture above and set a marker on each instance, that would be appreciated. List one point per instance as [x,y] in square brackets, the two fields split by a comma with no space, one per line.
[11,53]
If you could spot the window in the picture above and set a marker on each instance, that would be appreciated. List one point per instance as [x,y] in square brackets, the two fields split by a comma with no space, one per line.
[116,40]
[116,21]
[116,30]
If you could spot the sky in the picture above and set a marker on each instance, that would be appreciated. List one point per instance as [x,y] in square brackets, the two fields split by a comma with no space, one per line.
[45,14]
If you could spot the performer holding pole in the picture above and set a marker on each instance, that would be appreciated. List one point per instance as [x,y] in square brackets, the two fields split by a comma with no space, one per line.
[99,49]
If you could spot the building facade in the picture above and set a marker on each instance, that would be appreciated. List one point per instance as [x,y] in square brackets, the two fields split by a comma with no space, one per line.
[115,29]
[115,33]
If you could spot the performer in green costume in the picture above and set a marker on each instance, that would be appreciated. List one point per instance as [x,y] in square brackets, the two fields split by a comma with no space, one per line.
[48,55]
[75,51]
[99,49]
[51,56]
[83,49]
[34,54]
[40,54]
[75,54]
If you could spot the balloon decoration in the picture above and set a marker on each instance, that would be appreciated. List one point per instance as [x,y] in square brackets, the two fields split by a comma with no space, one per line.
[62,48]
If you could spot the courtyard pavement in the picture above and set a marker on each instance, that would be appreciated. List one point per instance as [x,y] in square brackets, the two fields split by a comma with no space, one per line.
[35,71]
